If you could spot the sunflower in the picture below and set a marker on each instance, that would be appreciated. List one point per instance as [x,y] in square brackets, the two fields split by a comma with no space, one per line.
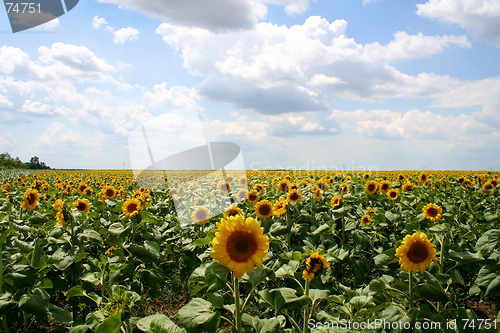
[280,207]
[81,187]
[264,209]
[366,176]
[423,177]
[109,192]
[408,187]
[385,186]
[224,187]
[30,199]
[88,191]
[241,195]
[131,207]
[336,201]
[60,219]
[111,250]
[401,178]
[366,220]
[253,196]
[432,212]
[260,188]
[243,181]
[488,186]
[173,191]
[314,264]
[322,184]
[294,196]
[393,194]
[416,252]
[371,187]
[344,188]
[200,215]
[233,211]
[82,205]
[282,186]
[240,244]
[316,192]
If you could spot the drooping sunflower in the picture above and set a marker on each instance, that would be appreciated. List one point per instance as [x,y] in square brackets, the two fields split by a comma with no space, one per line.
[233,211]
[280,207]
[30,199]
[408,187]
[82,205]
[393,194]
[336,201]
[131,207]
[433,212]
[371,187]
[416,252]
[201,215]
[488,186]
[315,263]
[294,196]
[264,209]
[366,220]
[260,188]
[240,244]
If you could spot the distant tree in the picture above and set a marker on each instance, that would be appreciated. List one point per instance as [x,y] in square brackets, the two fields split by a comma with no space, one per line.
[36,164]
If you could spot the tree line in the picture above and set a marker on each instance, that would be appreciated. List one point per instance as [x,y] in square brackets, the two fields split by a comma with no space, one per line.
[8,162]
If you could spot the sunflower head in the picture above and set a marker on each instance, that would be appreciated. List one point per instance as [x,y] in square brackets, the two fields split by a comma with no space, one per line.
[294,196]
[233,211]
[253,196]
[109,192]
[260,188]
[393,194]
[241,195]
[201,215]
[366,220]
[264,209]
[131,207]
[314,264]
[336,201]
[408,187]
[371,187]
[416,252]
[282,186]
[239,244]
[433,212]
[30,199]
[280,207]
[322,184]
[385,186]
[82,205]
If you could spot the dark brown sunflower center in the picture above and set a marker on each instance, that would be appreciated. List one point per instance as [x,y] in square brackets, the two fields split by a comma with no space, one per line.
[432,212]
[258,188]
[132,207]
[201,215]
[294,196]
[241,246]
[371,187]
[110,192]
[393,194]
[252,196]
[81,206]
[417,253]
[31,199]
[315,265]
[283,187]
[264,209]
[232,212]
[385,187]
[322,186]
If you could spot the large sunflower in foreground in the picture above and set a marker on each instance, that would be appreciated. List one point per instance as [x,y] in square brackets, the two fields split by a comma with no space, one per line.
[416,252]
[30,199]
[433,212]
[240,244]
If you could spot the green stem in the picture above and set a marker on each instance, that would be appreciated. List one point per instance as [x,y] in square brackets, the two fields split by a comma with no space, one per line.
[229,321]
[441,265]
[411,289]
[343,231]
[306,309]
[129,326]
[237,310]
[4,318]
[294,323]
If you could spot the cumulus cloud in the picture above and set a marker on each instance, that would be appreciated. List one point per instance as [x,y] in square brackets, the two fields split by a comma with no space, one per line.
[49,26]
[177,96]
[215,15]
[98,21]
[125,34]
[480,17]
[275,69]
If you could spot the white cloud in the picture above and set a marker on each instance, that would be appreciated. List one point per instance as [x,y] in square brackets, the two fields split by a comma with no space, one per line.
[49,26]
[62,139]
[6,142]
[481,17]
[292,7]
[215,15]
[175,96]
[125,34]
[98,21]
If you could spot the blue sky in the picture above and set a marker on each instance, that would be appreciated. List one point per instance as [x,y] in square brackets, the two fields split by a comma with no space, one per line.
[297,84]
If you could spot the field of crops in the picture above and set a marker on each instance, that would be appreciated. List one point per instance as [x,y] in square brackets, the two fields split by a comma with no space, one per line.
[95,251]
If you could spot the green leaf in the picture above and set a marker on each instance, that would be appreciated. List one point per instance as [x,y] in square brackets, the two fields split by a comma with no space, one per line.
[158,323]
[110,325]
[208,238]
[288,270]
[59,314]
[147,252]
[271,325]
[36,304]
[281,298]
[198,316]
[62,259]
[6,303]
[431,290]
[46,284]
[75,291]
[488,241]
[257,276]
[22,276]
[494,287]
[319,296]
[385,258]
[216,276]
[486,274]
[89,235]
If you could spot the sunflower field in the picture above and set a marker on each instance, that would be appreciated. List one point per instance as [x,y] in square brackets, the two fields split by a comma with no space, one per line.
[322,251]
